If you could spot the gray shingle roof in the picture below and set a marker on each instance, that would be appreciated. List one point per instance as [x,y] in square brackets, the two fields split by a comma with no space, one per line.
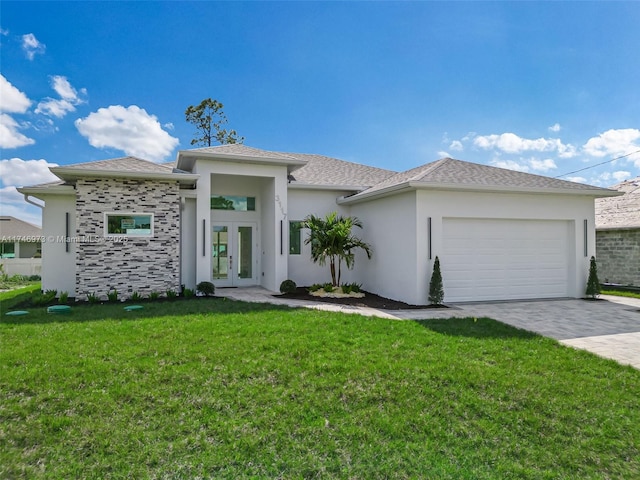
[320,170]
[11,227]
[451,172]
[123,164]
[620,212]
[237,149]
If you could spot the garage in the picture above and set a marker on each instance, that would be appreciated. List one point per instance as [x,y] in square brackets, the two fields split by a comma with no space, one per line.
[505,259]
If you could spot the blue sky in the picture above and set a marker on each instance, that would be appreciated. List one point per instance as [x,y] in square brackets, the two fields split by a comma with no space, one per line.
[543,87]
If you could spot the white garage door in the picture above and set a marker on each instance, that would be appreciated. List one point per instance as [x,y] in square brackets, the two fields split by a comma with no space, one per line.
[491,259]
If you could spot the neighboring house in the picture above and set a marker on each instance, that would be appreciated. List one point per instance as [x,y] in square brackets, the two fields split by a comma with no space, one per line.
[618,235]
[20,247]
[230,214]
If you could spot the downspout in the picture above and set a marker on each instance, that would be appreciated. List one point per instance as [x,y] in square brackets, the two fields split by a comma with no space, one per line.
[31,202]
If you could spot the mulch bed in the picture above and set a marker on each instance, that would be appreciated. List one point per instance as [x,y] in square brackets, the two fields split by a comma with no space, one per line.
[370,300]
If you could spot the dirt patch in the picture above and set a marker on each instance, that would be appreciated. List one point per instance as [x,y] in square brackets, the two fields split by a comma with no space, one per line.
[370,300]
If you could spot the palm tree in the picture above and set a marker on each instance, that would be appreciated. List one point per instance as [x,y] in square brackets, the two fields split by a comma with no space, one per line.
[331,239]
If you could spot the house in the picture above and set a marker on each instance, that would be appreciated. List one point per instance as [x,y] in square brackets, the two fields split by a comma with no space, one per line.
[618,235]
[230,214]
[20,246]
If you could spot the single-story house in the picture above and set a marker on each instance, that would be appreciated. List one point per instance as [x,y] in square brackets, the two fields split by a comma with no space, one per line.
[20,246]
[618,235]
[230,215]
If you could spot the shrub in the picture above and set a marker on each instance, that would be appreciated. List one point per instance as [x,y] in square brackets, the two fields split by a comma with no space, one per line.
[288,286]
[135,296]
[93,298]
[593,284]
[63,298]
[34,278]
[171,294]
[351,288]
[315,287]
[328,287]
[154,295]
[188,293]
[206,288]
[45,298]
[436,289]
[113,295]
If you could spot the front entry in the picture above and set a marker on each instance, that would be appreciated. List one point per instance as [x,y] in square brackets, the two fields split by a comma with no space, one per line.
[235,247]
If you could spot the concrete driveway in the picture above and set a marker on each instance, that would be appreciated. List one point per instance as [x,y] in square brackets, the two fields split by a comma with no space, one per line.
[609,327]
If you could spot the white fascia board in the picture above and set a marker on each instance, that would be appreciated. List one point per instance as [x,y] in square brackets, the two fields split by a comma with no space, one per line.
[75,173]
[363,196]
[226,157]
[591,192]
[383,192]
[51,190]
[311,186]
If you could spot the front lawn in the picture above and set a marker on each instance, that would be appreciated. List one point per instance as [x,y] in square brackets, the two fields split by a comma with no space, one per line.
[619,293]
[211,388]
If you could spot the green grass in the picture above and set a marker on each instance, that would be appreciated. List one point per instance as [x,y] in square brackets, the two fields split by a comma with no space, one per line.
[11,298]
[211,388]
[620,293]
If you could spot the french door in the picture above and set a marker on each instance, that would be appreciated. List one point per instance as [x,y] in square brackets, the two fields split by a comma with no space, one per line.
[234,250]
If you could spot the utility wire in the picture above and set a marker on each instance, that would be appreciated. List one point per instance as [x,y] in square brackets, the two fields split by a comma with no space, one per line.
[598,164]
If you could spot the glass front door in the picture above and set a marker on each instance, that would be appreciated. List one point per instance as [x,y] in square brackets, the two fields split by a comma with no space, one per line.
[234,247]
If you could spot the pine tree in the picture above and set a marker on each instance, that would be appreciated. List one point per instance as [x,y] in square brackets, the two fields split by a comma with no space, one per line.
[593,284]
[436,290]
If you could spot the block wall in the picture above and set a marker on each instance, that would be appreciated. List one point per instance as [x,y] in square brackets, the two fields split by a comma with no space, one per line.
[618,256]
[135,263]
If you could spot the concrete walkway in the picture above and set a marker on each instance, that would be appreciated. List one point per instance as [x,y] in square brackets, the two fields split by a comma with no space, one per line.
[609,327]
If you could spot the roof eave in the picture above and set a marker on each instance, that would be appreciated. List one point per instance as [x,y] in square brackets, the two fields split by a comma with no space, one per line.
[592,192]
[75,173]
[312,186]
[51,190]
[294,163]
[413,185]
[383,192]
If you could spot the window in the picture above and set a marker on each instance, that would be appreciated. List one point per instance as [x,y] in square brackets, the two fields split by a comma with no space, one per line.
[7,250]
[129,224]
[233,202]
[295,238]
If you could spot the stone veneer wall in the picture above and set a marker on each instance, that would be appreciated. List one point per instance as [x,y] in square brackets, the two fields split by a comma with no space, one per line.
[618,256]
[138,264]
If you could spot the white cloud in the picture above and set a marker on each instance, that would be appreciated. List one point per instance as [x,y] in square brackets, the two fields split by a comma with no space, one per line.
[54,108]
[4,32]
[10,137]
[18,172]
[620,175]
[575,179]
[456,146]
[13,100]
[169,126]
[512,143]
[510,165]
[613,143]
[32,46]
[69,98]
[542,165]
[555,127]
[129,129]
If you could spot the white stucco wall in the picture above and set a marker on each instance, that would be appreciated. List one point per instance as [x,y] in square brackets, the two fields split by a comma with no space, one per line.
[269,183]
[390,228]
[58,265]
[303,202]
[188,243]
